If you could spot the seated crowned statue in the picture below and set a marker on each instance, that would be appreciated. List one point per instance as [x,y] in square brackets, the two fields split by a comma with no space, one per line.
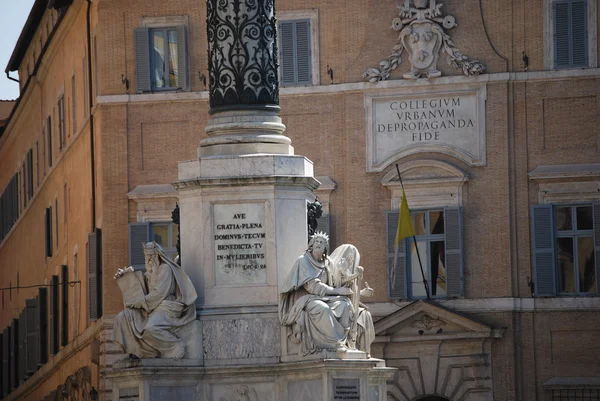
[148,327]
[318,305]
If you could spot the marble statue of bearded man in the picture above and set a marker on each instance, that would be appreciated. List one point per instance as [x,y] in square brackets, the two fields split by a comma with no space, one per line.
[148,327]
[316,305]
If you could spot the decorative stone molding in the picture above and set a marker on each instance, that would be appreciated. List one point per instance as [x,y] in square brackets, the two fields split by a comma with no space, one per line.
[154,202]
[427,323]
[427,183]
[567,183]
[422,26]
[77,387]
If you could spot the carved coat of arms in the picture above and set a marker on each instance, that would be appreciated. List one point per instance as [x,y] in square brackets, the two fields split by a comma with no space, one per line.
[422,26]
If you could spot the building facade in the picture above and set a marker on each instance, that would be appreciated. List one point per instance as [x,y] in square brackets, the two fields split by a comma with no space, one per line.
[499,165]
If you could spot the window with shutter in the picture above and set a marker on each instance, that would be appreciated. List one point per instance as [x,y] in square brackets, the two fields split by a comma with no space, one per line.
[565,249]
[570,33]
[48,229]
[14,354]
[295,52]
[22,330]
[54,315]
[4,385]
[30,174]
[61,123]
[436,256]
[161,58]
[49,133]
[94,262]
[324,225]
[42,324]
[33,341]
[138,233]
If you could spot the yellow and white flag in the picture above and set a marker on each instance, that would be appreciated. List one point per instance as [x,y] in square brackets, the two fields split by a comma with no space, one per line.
[404,230]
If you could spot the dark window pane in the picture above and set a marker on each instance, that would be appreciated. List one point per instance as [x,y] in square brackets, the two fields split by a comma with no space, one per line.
[584,218]
[418,289]
[438,268]
[436,222]
[563,218]
[419,223]
[566,265]
[585,260]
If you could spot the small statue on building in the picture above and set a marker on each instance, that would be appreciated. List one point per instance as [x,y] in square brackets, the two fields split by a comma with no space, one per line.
[319,301]
[421,24]
[158,303]
[175,218]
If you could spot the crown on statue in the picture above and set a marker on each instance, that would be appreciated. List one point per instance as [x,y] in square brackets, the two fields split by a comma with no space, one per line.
[320,234]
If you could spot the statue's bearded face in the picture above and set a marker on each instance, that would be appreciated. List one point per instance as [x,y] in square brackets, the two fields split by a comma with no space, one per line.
[319,245]
[151,259]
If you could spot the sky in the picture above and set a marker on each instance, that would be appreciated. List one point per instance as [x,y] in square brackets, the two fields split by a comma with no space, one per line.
[12,18]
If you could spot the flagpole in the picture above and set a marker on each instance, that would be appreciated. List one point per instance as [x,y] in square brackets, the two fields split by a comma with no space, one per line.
[415,240]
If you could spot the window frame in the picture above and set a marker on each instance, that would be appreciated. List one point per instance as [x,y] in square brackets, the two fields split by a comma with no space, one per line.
[166,71]
[549,41]
[172,237]
[312,15]
[574,234]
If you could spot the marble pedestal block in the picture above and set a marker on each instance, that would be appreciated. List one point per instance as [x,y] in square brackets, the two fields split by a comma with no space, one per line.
[326,380]
[243,224]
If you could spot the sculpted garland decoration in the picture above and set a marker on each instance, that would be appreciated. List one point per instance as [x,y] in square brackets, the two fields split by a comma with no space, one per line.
[242,53]
[421,25]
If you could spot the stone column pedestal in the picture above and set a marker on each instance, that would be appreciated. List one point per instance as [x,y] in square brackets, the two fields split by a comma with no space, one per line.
[327,380]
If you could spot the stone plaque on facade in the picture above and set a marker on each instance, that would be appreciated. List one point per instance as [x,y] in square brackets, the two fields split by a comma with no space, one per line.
[239,237]
[346,389]
[444,122]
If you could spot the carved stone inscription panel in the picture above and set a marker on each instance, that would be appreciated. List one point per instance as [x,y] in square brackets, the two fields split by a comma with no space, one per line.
[239,237]
[346,389]
[400,125]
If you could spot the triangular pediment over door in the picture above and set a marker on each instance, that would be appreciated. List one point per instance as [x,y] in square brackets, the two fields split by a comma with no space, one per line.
[438,352]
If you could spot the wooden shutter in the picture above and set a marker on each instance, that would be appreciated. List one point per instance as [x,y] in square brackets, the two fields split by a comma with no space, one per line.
[138,233]
[64,285]
[142,60]
[288,64]
[453,250]
[182,56]
[4,385]
[54,323]
[324,225]
[579,33]
[544,260]
[49,131]
[303,56]
[14,353]
[22,330]
[33,340]
[94,256]
[398,290]
[30,174]
[48,219]
[596,207]
[43,324]
[561,34]
[570,33]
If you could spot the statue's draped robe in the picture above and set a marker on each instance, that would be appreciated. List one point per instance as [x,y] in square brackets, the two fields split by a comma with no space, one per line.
[151,331]
[318,321]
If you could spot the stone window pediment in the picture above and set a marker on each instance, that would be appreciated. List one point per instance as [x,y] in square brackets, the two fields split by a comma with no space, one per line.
[422,320]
